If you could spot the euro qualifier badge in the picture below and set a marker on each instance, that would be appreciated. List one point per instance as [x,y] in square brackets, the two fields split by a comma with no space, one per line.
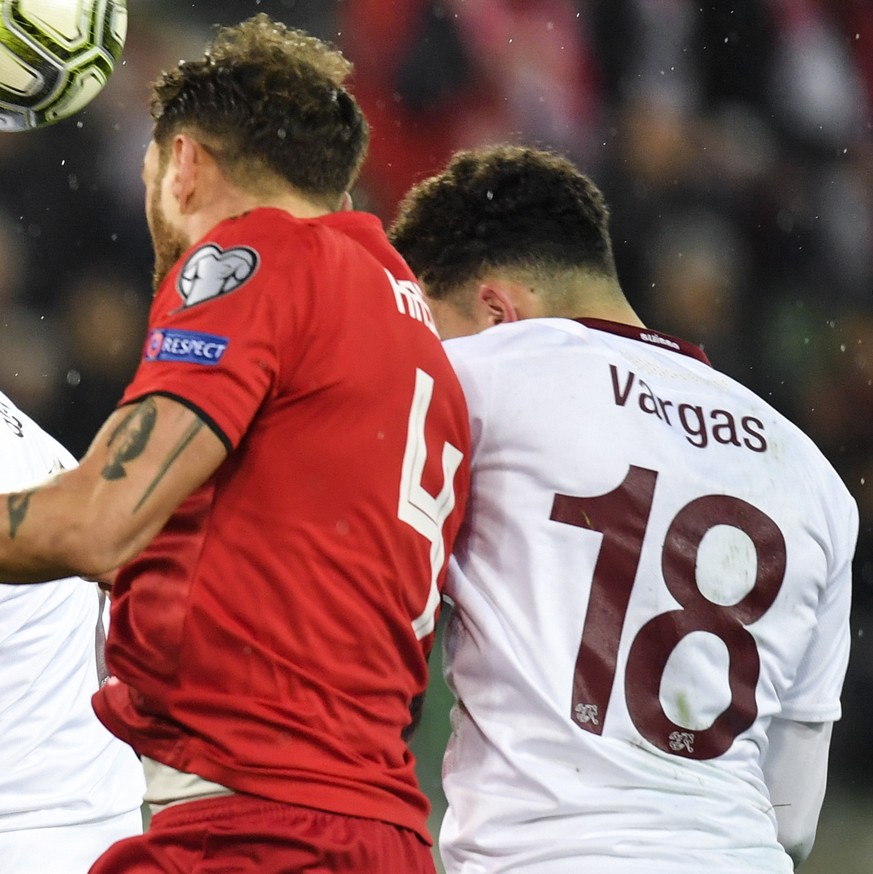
[211,271]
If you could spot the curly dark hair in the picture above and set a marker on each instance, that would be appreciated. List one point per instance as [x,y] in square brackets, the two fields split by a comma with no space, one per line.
[267,101]
[503,206]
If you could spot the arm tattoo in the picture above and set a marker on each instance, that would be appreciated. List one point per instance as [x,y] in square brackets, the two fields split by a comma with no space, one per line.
[17,505]
[132,435]
[186,438]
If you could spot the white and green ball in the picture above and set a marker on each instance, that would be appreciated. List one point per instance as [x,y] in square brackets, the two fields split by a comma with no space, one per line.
[55,57]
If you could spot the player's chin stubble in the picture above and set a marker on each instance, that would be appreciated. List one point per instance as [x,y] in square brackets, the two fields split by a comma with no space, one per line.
[167,242]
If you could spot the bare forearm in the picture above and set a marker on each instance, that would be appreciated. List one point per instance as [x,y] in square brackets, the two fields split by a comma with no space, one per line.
[92,519]
[41,538]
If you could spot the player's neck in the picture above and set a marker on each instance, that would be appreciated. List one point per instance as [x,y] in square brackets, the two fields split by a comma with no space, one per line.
[622,314]
[600,298]
[238,203]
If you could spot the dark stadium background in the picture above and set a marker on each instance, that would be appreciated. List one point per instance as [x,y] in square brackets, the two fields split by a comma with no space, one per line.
[733,140]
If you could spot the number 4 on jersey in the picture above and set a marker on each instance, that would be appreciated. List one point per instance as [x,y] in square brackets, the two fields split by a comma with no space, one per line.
[424,512]
[622,517]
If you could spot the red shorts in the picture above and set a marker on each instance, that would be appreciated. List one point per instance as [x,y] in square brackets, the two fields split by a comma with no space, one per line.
[240,834]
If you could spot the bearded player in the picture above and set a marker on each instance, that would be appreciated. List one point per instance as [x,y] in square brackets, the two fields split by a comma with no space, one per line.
[281,484]
[652,584]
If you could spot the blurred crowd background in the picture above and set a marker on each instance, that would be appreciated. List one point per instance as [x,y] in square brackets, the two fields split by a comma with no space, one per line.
[733,140]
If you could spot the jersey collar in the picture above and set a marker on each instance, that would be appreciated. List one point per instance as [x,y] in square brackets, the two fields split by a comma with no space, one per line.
[649,336]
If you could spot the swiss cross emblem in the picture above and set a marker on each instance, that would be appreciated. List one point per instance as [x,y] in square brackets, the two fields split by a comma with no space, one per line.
[682,741]
[586,713]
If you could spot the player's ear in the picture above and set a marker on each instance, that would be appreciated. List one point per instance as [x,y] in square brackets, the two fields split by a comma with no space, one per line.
[346,202]
[496,304]
[186,159]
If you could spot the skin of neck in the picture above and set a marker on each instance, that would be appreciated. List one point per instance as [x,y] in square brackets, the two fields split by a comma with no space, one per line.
[229,201]
[496,298]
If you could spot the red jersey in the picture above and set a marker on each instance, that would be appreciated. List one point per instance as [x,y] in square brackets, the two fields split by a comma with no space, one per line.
[275,633]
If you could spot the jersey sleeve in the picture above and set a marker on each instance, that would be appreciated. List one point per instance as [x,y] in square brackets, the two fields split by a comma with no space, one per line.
[815,693]
[212,335]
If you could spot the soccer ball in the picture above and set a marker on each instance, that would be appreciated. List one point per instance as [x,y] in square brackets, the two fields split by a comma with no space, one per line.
[55,57]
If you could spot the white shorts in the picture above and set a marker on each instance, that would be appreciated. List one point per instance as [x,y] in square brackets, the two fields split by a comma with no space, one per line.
[70,849]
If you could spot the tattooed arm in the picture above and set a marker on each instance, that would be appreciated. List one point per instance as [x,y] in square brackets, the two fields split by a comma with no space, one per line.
[145,460]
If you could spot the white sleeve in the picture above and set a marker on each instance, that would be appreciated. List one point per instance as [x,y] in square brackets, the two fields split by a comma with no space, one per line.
[814,694]
[795,770]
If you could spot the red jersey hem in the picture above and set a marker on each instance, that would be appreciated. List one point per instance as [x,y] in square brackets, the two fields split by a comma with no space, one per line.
[171,749]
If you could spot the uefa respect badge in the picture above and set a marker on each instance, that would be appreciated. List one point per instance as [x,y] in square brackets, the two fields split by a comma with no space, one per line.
[190,347]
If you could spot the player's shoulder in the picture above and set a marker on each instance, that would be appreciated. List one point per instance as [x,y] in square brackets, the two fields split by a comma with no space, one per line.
[272,226]
[237,253]
[28,451]
[531,342]
[245,241]
[787,442]
[16,425]
[267,238]
[507,338]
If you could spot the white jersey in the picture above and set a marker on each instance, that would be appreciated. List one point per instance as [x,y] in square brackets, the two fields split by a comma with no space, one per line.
[655,563]
[58,765]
